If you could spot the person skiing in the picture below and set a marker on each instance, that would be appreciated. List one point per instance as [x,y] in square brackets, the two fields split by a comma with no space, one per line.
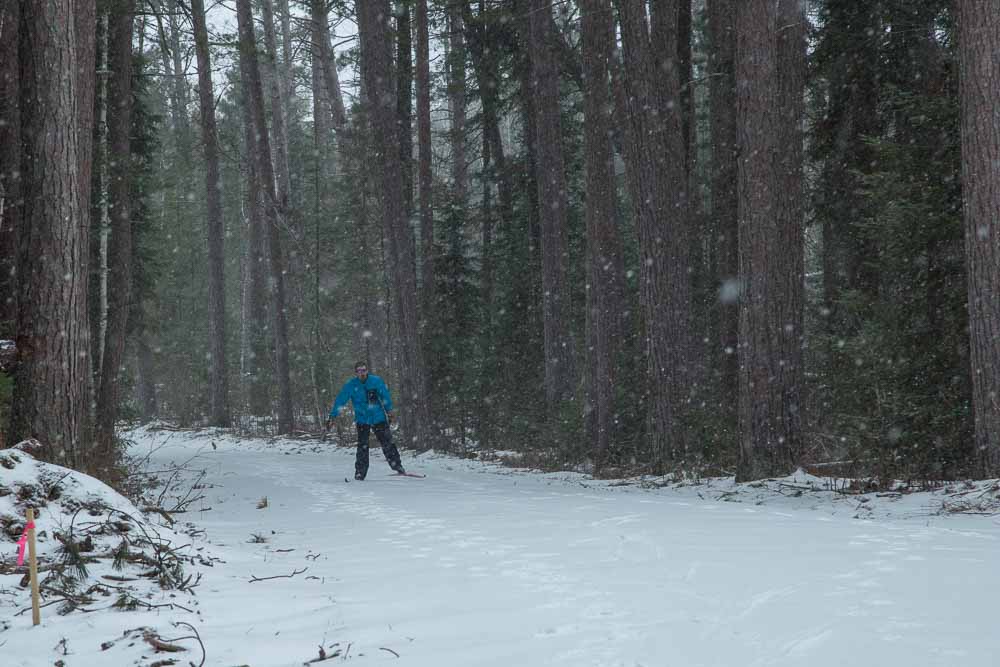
[372,410]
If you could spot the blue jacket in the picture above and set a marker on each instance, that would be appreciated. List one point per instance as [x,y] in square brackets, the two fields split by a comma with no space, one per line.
[365,411]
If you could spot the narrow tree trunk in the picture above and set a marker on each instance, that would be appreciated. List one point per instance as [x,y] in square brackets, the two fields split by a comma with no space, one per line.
[979,43]
[456,100]
[255,360]
[219,383]
[424,174]
[484,62]
[377,76]
[658,190]
[769,94]
[322,155]
[560,371]
[100,212]
[265,173]
[85,25]
[287,84]
[404,100]
[276,88]
[724,217]
[605,268]
[121,20]
[323,51]
[51,399]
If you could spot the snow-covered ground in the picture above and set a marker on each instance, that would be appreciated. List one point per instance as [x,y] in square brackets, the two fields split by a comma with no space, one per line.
[480,565]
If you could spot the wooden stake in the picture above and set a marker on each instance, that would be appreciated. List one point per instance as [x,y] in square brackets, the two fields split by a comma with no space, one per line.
[36,611]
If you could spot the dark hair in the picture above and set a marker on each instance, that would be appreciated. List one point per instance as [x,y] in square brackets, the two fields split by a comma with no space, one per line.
[359,364]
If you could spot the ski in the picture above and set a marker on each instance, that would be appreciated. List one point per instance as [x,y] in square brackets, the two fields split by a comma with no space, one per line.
[407,474]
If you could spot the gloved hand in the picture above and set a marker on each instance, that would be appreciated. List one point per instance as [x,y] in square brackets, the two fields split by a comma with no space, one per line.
[388,417]
[329,423]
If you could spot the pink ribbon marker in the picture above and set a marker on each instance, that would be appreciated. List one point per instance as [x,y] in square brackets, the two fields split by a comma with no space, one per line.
[23,542]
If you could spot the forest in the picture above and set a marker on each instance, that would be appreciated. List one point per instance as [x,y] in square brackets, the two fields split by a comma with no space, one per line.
[705,237]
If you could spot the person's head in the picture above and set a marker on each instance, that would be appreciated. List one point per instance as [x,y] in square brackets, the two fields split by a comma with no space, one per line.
[361,370]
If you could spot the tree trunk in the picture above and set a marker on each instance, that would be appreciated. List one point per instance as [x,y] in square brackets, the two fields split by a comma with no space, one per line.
[322,204]
[657,177]
[10,165]
[425,178]
[456,101]
[404,100]
[219,382]
[276,88]
[605,268]
[560,371]
[121,18]
[770,59]
[255,99]
[51,384]
[100,213]
[724,218]
[255,329]
[287,83]
[979,43]
[377,77]
[323,51]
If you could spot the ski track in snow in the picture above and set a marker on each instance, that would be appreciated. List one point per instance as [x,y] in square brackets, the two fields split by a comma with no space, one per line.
[482,566]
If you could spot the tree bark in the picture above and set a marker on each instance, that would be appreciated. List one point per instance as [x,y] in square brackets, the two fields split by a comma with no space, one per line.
[456,100]
[323,51]
[425,177]
[219,380]
[605,267]
[560,371]
[323,165]
[377,77]
[724,217]
[121,19]
[770,60]
[272,212]
[656,173]
[404,99]
[276,89]
[979,43]
[10,164]
[51,385]
[255,329]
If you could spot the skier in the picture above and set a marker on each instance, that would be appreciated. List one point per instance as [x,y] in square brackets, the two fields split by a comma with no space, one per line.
[372,410]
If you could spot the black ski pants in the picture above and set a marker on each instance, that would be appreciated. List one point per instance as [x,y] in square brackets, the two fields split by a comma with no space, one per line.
[384,439]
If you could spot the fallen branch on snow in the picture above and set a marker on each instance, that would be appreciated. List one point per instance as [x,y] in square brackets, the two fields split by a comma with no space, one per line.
[254,578]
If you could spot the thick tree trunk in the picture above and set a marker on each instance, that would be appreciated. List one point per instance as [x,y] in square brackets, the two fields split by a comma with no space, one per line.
[10,164]
[262,158]
[377,77]
[725,216]
[560,370]
[219,382]
[656,173]
[979,43]
[425,176]
[121,19]
[51,384]
[605,268]
[770,57]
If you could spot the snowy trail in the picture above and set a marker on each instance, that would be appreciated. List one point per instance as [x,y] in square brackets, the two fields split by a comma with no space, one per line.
[477,566]
[483,566]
